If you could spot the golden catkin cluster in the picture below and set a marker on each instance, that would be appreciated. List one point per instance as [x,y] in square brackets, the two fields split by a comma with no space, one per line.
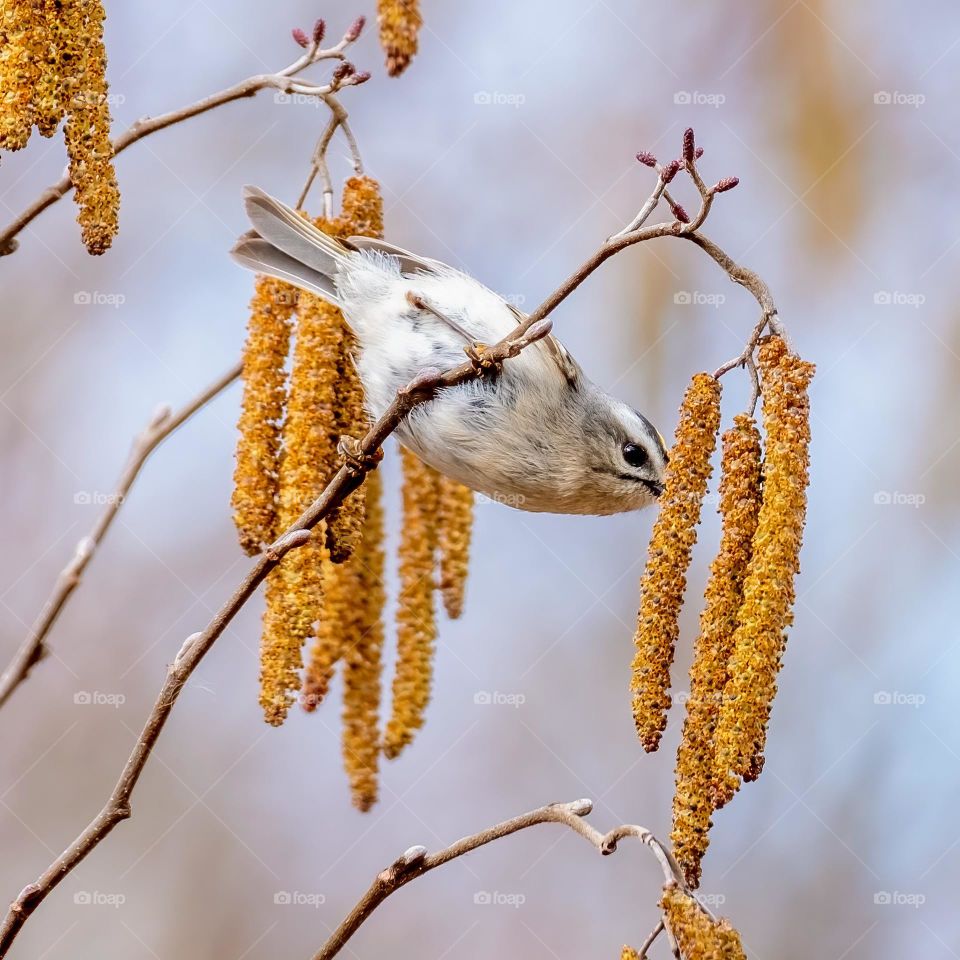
[416,623]
[768,592]
[699,936]
[53,64]
[628,953]
[256,484]
[674,535]
[400,23]
[362,657]
[739,505]
[456,524]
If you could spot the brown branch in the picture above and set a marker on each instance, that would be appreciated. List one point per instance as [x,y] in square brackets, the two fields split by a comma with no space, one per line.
[162,424]
[416,861]
[283,80]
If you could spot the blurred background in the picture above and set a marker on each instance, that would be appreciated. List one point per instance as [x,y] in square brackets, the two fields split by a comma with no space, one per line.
[507,148]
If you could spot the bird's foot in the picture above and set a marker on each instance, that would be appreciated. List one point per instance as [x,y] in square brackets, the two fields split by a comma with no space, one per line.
[352,456]
[479,354]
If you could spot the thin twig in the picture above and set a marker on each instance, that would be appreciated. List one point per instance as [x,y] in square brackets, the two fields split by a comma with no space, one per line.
[162,424]
[651,939]
[281,80]
[416,861]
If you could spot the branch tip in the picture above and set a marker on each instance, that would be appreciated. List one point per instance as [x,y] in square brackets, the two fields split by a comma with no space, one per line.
[319,30]
[647,159]
[356,28]
[300,37]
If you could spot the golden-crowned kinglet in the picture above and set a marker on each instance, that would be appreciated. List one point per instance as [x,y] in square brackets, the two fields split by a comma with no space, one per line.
[540,436]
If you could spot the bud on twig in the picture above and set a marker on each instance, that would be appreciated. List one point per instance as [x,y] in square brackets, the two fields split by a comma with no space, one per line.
[319,29]
[356,28]
[300,37]
[647,159]
[699,152]
[679,213]
[689,148]
[359,78]
[344,70]
[727,183]
[670,171]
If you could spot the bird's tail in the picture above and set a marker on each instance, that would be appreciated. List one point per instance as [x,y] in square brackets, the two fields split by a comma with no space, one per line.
[284,245]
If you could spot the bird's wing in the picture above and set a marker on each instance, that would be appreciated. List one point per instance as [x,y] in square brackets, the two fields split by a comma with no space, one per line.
[409,262]
[557,352]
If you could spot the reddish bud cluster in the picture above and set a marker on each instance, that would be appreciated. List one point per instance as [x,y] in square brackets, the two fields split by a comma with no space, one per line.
[670,171]
[356,28]
[689,146]
[647,159]
[319,29]
[727,183]
[300,37]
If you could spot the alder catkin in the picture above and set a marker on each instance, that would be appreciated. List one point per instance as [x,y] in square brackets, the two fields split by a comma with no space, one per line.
[674,534]
[698,935]
[416,622]
[768,592]
[58,51]
[361,215]
[362,654]
[739,505]
[23,32]
[400,23]
[255,476]
[455,527]
[87,130]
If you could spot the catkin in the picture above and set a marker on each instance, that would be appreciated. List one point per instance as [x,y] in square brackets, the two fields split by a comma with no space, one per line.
[280,643]
[362,654]
[674,535]
[361,215]
[455,523]
[400,23]
[58,52]
[628,953]
[87,130]
[739,505]
[698,935]
[768,592]
[264,393]
[23,30]
[416,624]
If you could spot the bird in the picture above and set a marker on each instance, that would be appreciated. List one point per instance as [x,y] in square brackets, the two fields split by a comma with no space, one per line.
[539,436]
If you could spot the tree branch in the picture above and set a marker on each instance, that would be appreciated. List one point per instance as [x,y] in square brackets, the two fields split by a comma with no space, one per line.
[281,80]
[162,424]
[415,862]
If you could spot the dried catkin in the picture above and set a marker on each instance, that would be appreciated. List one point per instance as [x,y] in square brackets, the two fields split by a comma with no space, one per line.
[698,935]
[362,654]
[674,535]
[416,623]
[87,130]
[361,215]
[455,523]
[739,505]
[768,592]
[400,23]
[264,393]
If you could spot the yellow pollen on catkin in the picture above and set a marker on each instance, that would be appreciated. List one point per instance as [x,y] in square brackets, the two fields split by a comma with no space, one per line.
[400,23]
[768,592]
[361,215]
[58,50]
[416,622]
[739,505]
[23,37]
[628,953]
[264,393]
[87,130]
[698,935]
[674,534]
[456,525]
[362,654]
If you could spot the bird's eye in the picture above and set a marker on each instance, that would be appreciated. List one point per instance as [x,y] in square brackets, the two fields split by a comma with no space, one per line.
[634,454]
